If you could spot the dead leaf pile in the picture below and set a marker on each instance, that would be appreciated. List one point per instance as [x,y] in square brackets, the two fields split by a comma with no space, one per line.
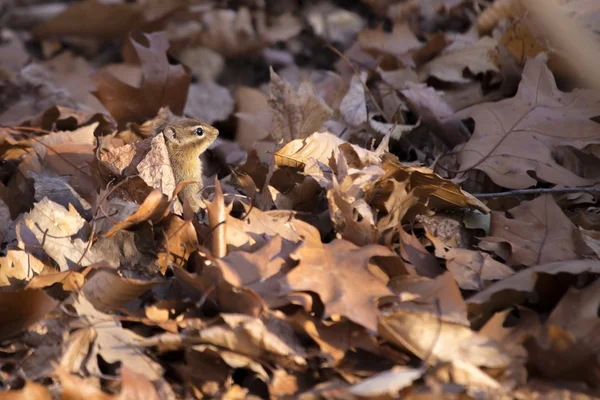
[401,202]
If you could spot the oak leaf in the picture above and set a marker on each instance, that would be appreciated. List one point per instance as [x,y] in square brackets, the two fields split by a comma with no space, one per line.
[296,114]
[339,273]
[426,334]
[163,85]
[471,269]
[537,232]
[515,139]
[477,58]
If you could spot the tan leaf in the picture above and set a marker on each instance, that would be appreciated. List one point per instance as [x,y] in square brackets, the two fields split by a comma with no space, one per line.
[153,208]
[514,289]
[68,154]
[217,217]
[114,343]
[425,333]
[254,116]
[339,273]
[253,270]
[334,338]
[249,234]
[163,85]
[538,232]
[178,242]
[230,32]
[387,383]
[437,296]
[107,290]
[320,146]
[471,269]
[424,184]
[58,232]
[31,391]
[353,106]
[568,345]
[296,115]
[516,137]
[477,58]
[254,337]
[21,266]
[395,43]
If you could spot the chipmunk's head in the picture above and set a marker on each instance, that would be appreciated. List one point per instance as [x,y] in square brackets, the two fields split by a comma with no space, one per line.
[189,134]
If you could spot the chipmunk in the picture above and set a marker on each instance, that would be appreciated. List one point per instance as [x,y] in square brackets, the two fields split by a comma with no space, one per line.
[186,140]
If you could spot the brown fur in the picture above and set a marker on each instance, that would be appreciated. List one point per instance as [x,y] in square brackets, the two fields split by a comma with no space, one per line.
[185,148]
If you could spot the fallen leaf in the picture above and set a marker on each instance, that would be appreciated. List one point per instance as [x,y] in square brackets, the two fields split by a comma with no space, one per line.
[296,115]
[387,383]
[460,56]
[209,102]
[396,43]
[153,208]
[19,265]
[353,106]
[31,390]
[88,18]
[253,337]
[60,235]
[106,290]
[537,232]
[425,333]
[113,343]
[473,270]
[339,273]
[515,288]
[539,117]
[567,346]
[164,84]
[19,309]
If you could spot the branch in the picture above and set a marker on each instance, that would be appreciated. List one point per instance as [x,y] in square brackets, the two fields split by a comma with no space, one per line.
[520,192]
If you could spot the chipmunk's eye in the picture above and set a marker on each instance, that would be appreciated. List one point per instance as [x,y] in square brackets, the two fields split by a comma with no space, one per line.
[199,131]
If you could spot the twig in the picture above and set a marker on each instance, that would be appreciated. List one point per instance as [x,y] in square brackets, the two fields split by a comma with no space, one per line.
[520,192]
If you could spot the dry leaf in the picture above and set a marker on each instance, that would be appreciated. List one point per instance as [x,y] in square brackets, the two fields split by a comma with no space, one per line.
[19,265]
[106,290]
[339,273]
[353,106]
[60,234]
[537,232]
[88,18]
[113,343]
[295,115]
[460,56]
[514,289]
[208,102]
[471,269]
[395,43]
[425,333]
[31,391]
[19,309]
[539,117]
[163,85]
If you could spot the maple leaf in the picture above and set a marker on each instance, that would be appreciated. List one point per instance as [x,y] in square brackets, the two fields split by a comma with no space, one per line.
[517,137]
[163,85]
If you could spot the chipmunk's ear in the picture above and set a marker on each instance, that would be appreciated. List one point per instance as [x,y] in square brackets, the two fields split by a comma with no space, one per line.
[169,133]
